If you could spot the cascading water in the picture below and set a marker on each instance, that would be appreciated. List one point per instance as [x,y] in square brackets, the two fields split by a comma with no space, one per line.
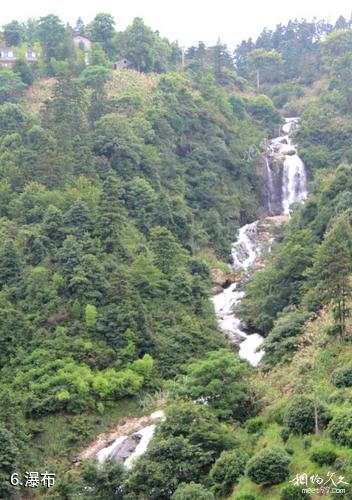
[245,252]
[294,179]
[247,248]
[270,186]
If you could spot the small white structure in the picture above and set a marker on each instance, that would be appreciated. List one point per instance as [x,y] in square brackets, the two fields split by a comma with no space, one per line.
[84,43]
[121,64]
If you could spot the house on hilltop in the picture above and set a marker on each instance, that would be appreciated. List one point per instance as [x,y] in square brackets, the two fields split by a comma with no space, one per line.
[121,64]
[8,56]
[84,43]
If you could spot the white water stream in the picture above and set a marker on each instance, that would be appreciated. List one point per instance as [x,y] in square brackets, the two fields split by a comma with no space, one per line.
[245,251]
[247,248]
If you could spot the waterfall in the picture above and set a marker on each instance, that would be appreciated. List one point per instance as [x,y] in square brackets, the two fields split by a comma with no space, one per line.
[247,248]
[294,179]
[270,187]
[245,251]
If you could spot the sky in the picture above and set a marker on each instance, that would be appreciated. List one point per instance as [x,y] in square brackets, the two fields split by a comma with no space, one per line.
[187,21]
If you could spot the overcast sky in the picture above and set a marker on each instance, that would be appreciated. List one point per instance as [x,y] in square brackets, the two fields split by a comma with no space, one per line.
[187,21]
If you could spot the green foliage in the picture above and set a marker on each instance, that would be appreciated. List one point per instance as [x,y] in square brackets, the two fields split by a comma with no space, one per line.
[218,380]
[13,33]
[190,491]
[269,466]
[265,66]
[11,85]
[280,284]
[245,496]
[9,455]
[254,425]
[283,340]
[332,268]
[293,492]
[342,377]
[51,34]
[340,429]
[263,110]
[300,415]
[24,71]
[227,470]
[102,31]
[90,316]
[95,76]
[184,449]
[323,456]
[103,482]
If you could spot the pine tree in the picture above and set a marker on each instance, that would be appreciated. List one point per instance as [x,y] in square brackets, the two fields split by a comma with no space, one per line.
[333,266]
[9,263]
[112,214]
[78,219]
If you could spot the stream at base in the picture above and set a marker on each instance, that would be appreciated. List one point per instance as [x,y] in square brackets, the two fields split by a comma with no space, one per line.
[249,245]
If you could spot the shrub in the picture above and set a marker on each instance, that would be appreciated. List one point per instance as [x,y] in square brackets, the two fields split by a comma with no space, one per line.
[340,429]
[343,376]
[293,492]
[285,434]
[190,491]
[227,470]
[307,443]
[283,340]
[270,466]
[323,456]
[254,425]
[299,416]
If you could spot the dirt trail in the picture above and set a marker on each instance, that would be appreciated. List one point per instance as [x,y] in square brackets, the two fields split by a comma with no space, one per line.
[124,428]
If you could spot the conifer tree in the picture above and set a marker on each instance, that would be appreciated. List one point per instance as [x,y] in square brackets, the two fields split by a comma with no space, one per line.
[333,266]
[112,213]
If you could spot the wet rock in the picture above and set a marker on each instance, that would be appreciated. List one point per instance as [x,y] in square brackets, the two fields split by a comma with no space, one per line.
[126,448]
[216,289]
[217,276]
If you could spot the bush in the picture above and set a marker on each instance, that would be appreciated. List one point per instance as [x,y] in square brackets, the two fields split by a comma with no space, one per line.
[227,470]
[293,492]
[254,425]
[299,417]
[270,466]
[323,456]
[340,429]
[190,491]
[343,376]
[307,443]
[283,340]
[285,434]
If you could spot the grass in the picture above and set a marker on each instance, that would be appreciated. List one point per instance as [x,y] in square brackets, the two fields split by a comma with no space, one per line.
[57,438]
[319,355]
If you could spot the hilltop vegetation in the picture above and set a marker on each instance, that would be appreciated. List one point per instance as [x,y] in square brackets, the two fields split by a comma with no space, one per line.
[119,191]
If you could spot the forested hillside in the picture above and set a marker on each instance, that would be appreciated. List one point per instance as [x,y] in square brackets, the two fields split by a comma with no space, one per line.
[120,191]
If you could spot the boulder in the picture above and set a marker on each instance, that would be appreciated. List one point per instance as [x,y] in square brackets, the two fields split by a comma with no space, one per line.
[126,448]
[217,276]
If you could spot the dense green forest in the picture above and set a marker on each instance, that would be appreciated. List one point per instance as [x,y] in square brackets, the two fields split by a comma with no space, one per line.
[120,191]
